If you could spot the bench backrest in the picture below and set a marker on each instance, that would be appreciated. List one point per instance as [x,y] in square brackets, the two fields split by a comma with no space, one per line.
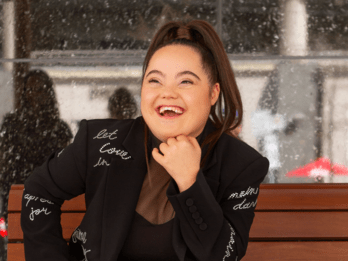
[292,222]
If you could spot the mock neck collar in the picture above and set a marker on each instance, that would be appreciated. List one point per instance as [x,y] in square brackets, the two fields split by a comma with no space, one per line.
[154,142]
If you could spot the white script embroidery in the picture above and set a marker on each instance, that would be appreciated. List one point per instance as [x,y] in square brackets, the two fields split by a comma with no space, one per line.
[115,151]
[29,197]
[60,153]
[37,212]
[42,200]
[244,205]
[243,193]
[79,235]
[229,248]
[101,162]
[85,253]
[103,134]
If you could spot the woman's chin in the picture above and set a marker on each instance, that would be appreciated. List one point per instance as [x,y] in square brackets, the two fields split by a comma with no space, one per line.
[165,136]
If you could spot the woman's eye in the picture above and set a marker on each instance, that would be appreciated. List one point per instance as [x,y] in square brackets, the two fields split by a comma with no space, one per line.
[186,82]
[153,81]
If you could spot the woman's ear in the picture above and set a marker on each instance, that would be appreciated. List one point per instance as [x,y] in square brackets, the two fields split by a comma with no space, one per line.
[215,92]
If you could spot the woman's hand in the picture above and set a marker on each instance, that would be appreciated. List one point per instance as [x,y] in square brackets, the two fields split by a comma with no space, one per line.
[181,158]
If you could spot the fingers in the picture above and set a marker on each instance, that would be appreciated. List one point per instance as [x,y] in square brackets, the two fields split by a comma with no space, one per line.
[171,141]
[178,142]
[193,141]
[181,138]
[157,156]
[163,147]
[190,139]
[180,156]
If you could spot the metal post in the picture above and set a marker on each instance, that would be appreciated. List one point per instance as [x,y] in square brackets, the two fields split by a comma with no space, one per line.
[8,33]
[219,18]
[22,46]
[295,35]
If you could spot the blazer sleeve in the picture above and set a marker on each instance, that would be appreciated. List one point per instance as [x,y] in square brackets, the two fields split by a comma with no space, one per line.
[60,178]
[215,230]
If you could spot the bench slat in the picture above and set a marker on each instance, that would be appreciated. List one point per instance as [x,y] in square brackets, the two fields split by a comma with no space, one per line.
[289,251]
[303,197]
[300,225]
[15,252]
[266,226]
[261,251]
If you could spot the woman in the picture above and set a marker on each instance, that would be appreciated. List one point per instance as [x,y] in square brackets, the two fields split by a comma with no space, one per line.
[122,105]
[31,133]
[169,186]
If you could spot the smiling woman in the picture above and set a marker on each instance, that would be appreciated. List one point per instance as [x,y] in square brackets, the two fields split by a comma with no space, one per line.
[158,187]
[176,93]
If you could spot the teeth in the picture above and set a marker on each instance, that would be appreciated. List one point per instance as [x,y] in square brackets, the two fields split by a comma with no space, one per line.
[174,109]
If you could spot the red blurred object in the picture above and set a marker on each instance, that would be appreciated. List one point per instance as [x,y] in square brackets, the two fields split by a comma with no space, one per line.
[339,169]
[320,168]
[3,230]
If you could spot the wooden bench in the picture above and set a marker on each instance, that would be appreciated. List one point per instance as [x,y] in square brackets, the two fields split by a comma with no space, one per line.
[292,222]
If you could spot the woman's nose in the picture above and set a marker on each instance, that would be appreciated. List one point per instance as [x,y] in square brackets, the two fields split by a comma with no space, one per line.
[169,92]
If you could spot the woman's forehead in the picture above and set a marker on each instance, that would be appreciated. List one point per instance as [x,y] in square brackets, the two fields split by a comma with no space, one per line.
[175,57]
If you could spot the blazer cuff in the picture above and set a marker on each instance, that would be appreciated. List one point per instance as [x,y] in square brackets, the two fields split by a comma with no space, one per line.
[197,206]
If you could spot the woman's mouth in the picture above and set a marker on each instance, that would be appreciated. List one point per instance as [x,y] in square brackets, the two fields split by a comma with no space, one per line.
[169,111]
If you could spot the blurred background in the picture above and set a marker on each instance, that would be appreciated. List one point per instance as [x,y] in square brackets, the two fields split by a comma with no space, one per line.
[63,61]
[290,59]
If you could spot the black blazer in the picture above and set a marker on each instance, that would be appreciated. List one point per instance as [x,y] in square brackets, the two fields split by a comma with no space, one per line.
[107,162]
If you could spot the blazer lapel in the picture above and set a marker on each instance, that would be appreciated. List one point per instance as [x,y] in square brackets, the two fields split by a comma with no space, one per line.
[211,160]
[122,189]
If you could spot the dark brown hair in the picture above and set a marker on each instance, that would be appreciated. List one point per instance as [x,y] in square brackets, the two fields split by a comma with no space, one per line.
[201,36]
[121,104]
[38,96]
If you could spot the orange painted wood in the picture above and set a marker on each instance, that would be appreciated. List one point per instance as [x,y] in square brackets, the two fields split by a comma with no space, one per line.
[300,226]
[290,251]
[15,252]
[14,204]
[303,197]
[69,222]
[261,251]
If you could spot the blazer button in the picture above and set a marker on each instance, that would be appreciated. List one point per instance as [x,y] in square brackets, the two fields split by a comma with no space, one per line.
[193,209]
[199,220]
[195,215]
[189,202]
[203,226]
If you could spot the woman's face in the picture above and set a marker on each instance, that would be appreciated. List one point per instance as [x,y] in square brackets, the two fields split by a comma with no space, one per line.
[176,94]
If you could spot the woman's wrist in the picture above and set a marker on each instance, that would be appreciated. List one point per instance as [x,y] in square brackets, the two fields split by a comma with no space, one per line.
[186,184]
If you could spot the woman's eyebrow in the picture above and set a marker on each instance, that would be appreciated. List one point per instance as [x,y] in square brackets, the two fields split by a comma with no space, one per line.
[187,72]
[155,71]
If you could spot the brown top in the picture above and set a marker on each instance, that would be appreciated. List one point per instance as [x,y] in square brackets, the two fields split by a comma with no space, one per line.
[153,203]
